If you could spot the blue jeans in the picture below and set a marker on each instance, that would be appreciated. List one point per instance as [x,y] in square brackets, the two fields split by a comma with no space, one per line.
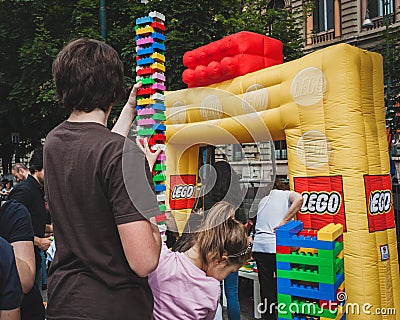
[231,284]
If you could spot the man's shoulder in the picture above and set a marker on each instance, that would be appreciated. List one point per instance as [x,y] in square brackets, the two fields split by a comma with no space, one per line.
[21,186]
[13,209]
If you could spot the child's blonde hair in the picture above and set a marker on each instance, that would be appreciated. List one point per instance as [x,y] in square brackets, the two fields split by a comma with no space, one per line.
[221,234]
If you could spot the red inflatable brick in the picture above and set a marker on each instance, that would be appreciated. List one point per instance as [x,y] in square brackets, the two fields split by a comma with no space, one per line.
[230,57]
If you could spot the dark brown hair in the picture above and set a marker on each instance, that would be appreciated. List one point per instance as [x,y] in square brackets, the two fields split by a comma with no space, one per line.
[221,234]
[88,75]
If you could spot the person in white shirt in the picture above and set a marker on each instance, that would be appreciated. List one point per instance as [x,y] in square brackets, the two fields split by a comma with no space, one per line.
[274,210]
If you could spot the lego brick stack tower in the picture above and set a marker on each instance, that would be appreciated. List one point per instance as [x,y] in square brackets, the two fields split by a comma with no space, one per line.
[150,68]
[310,272]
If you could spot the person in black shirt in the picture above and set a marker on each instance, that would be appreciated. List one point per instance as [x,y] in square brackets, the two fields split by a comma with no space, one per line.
[10,285]
[30,193]
[16,229]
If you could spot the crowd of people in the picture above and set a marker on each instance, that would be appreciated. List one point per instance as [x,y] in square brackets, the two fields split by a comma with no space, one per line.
[110,262]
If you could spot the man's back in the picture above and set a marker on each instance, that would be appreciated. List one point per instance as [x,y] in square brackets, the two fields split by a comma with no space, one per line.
[90,277]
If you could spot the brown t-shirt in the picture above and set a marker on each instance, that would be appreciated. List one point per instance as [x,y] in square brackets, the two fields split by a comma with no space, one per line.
[91,175]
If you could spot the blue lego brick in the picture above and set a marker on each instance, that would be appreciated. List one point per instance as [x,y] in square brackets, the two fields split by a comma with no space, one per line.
[283,265]
[159,127]
[145,61]
[160,187]
[145,51]
[158,36]
[323,292]
[158,46]
[144,20]
[158,106]
[305,242]
[303,318]
[332,287]
[289,229]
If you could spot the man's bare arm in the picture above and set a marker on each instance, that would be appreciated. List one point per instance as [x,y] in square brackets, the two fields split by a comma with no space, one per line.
[296,202]
[14,314]
[25,261]
[128,113]
[141,242]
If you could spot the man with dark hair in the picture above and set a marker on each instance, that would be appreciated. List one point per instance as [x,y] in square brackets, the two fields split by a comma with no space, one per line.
[16,228]
[105,245]
[30,193]
[19,171]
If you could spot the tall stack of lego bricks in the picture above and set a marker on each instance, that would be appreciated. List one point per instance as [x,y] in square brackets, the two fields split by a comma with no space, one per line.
[150,68]
[310,272]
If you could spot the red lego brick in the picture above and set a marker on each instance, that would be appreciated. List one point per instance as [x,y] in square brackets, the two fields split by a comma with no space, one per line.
[283,249]
[308,232]
[157,25]
[145,71]
[161,217]
[145,91]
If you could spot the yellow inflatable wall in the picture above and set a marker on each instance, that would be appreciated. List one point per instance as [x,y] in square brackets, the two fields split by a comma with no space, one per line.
[329,106]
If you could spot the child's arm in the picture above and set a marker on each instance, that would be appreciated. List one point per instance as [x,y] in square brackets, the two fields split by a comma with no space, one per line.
[128,113]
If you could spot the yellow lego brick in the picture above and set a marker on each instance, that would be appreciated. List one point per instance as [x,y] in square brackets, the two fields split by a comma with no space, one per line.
[158,57]
[145,30]
[341,287]
[330,232]
[308,250]
[340,254]
[158,66]
[142,102]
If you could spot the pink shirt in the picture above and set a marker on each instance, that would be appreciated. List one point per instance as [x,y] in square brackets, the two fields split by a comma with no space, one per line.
[181,290]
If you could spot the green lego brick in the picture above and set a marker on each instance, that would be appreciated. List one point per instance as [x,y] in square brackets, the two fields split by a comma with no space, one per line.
[324,266]
[146,132]
[159,178]
[331,253]
[160,167]
[162,207]
[292,306]
[311,259]
[306,275]
[159,116]
[146,81]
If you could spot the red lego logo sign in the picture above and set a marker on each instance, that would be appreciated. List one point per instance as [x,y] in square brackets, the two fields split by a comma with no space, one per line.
[323,201]
[378,195]
[182,191]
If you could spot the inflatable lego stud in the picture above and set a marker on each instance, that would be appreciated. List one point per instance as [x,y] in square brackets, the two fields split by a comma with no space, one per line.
[150,108]
[329,106]
[230,57]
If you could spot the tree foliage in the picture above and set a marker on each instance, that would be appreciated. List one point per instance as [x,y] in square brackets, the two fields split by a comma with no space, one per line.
[391,56]
[35,31]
